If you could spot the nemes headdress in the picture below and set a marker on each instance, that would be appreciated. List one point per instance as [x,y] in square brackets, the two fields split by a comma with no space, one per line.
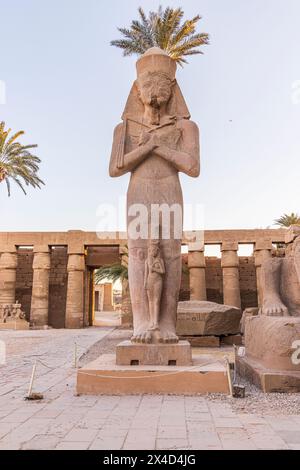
[153,60]
[156,60]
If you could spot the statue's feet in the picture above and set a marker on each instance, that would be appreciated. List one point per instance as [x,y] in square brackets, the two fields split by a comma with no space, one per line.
[274,308]
[168,337]
[143,337]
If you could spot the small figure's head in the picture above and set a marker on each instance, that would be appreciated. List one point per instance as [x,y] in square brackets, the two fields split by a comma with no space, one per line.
[155,88]
[154,249]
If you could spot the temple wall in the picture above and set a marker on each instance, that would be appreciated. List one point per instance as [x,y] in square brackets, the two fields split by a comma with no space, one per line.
[63,258]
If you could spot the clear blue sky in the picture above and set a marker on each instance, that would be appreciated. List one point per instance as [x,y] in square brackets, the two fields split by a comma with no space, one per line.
[66,86]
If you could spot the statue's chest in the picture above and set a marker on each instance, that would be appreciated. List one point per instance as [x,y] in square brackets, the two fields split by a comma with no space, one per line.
[169,136]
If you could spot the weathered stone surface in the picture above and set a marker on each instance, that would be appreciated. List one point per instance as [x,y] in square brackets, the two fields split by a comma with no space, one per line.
[202,341]
[104,377]
[273,342]
[268,380]
[178,354]
[232,339]
[207,318]
[248,312]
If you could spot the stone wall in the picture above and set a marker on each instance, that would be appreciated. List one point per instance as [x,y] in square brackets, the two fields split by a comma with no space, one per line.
[58,287]
[24,279]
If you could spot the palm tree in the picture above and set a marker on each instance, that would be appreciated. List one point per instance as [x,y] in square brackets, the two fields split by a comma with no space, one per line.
[162,29]
[113,272]
[118,271]
[17,162]
[286,220]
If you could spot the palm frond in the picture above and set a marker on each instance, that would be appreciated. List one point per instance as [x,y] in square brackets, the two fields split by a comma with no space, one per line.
[164,29]
[17,163]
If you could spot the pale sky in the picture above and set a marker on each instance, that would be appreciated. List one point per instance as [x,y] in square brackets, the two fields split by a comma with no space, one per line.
[66,87]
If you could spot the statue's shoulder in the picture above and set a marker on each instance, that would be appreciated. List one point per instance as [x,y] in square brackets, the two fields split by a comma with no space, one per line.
[118,128]
[186,124]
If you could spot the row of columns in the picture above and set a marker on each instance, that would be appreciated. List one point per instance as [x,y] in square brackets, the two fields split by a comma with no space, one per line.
[39,313]
[76,270]
[230,271]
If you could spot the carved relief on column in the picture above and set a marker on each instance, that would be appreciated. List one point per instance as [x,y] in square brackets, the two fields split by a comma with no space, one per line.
[231,277]
[196,264]
[75,290]
[40,286]
[262,251]
[8,274]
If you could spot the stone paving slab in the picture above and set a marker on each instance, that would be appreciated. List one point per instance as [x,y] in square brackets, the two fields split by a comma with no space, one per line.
[63,420]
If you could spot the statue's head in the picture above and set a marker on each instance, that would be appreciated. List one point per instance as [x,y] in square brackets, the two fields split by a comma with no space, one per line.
[155,77]
[154,249]
[155,85]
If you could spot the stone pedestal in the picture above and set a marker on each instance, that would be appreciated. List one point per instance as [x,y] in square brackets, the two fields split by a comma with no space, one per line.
[104,377]
[15,325]
[272,353]
[179,354]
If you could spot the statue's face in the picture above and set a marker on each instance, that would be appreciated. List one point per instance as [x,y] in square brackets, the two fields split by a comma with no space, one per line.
[154,251]
[155,88]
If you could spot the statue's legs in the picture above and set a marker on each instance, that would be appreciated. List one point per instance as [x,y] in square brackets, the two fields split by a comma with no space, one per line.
[272,304]
[146,193]
[172,280]
[154,292]
[136,270]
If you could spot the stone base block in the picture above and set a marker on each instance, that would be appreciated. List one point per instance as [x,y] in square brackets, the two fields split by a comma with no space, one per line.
[202,341]
[268,380]
[129,354]
[15,325]
[230,340]
[197,318]
[104,377]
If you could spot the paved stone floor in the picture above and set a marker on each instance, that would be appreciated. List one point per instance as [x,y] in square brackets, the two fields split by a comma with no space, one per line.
[64,421]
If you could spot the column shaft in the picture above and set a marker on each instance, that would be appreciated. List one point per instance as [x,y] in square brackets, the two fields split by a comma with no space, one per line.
[39,314]
[231,276]
[196,264]
[262,251]
[8,275]
[75,291]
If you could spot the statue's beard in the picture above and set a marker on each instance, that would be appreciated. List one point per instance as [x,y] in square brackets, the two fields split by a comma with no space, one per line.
[155,112]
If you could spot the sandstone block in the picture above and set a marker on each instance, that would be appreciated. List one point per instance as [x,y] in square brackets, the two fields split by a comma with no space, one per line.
[207,318]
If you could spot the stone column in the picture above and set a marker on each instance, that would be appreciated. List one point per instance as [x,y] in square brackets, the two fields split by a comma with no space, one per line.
[231,277]
[8,274]
[40,286]
[262,251]
[196,264]
[75,290]
[126,317]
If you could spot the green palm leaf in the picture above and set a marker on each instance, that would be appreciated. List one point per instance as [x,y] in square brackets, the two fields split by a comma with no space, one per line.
[164,29]
[286,220]
[17,163]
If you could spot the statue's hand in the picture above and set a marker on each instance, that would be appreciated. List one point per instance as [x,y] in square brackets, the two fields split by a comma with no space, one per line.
[274,308]
[149,139]
[144,137]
